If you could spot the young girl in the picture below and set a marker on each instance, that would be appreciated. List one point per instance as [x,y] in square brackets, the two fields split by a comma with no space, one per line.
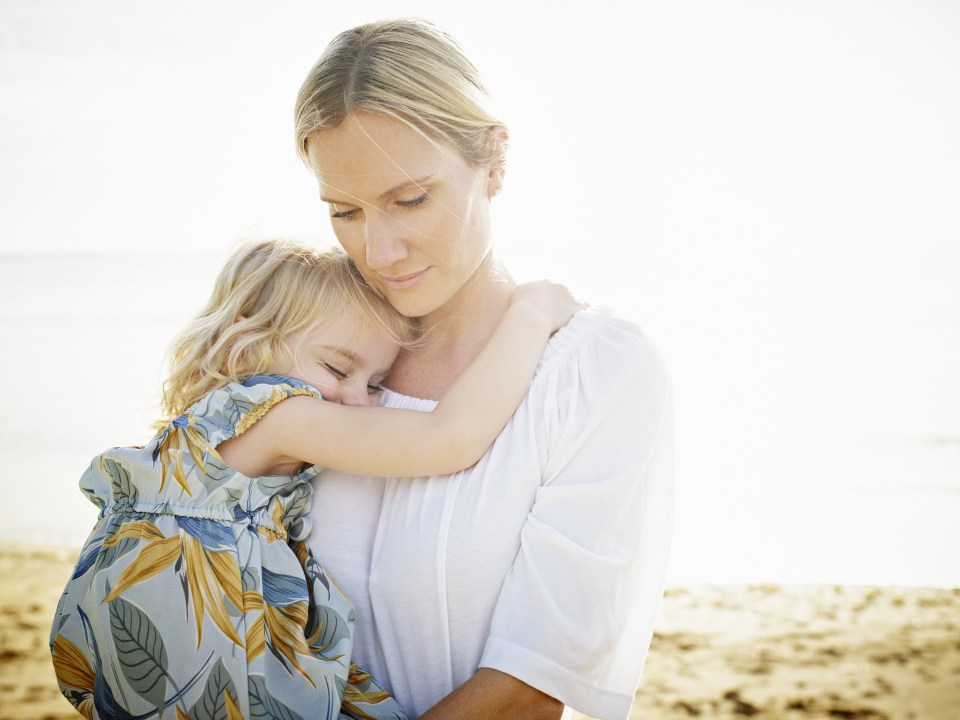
[196,590]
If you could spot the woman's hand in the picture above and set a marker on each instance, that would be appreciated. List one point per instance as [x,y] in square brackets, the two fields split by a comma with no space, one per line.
[552,301]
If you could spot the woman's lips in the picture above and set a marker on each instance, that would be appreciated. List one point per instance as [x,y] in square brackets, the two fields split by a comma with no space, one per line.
[402,282]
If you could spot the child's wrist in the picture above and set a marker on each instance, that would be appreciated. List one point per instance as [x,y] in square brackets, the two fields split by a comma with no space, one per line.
[530,315]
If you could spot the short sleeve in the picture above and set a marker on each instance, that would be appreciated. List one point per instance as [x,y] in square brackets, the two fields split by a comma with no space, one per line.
[577,610]
[234,408]
[125,475]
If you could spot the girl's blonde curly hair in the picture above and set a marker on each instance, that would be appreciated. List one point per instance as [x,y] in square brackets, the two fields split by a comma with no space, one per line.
[267,290]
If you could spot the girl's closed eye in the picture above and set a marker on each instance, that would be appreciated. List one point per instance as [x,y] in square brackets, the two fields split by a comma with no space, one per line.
[342,374]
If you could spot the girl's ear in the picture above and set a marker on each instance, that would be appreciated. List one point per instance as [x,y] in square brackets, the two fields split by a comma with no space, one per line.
[497,140]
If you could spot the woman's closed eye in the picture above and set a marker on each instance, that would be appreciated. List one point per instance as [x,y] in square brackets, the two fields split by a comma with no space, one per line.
[413,203]
[353,213]
[345,214]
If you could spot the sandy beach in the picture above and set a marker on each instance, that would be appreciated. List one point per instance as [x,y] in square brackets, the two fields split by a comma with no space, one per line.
[770,651]
[734,651]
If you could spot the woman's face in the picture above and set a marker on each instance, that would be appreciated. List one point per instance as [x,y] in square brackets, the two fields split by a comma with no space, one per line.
[411,213]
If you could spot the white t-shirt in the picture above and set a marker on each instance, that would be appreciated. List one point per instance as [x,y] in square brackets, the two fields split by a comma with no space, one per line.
[545,560]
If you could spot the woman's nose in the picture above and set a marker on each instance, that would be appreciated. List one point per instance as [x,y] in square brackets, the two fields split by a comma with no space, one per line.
[384,243]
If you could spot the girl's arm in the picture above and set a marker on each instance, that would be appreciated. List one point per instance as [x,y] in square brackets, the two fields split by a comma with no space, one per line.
[390,441]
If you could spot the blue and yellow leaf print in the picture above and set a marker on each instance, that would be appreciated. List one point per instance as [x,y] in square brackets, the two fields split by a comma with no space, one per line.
[331,628]
[88,556]
[140,650]
[196,596]
[256,640]
[211,576]
[283,590]
[263,706]
[104,699]
[311,568]
[219,699]
[214,536]
[122,485]
[181,435]
[285,614]
[113,549]
[361,690]
[153,559]
[75,675]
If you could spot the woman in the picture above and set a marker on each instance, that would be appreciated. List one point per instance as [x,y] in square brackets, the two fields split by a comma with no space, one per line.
[531,580]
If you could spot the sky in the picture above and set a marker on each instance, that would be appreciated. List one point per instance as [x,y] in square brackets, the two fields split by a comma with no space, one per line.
[769,188]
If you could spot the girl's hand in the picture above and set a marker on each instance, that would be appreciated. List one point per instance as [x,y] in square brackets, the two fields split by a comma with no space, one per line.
[551,301]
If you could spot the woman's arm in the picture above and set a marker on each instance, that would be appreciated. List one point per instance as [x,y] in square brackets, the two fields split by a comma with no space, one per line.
[576,611]
[387,441]
[491,694]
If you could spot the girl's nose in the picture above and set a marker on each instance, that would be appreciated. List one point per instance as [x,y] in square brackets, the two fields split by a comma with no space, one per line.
[358,395]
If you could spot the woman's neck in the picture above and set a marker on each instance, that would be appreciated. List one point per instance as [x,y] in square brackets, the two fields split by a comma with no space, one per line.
[454,333]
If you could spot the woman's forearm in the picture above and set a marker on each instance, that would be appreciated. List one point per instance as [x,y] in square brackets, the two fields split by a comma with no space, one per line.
[493,695]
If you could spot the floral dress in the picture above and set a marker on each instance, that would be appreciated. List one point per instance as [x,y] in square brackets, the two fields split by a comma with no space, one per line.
[195,596]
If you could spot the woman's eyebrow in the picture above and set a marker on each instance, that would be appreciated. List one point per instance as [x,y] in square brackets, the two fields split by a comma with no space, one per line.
[417,182]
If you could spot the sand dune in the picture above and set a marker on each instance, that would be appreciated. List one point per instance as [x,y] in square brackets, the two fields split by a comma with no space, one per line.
[760,651]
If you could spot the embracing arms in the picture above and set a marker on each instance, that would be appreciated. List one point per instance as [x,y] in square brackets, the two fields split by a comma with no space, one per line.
[389,441]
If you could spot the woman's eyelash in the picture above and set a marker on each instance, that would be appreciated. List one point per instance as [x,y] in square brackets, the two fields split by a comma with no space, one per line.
[375,388]
[413,203]
[354,212]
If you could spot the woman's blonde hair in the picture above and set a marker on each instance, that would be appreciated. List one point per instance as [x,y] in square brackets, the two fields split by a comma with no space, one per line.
[406,69]
[267,290]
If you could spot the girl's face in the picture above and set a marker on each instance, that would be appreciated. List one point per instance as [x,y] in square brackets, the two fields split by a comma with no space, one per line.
[412,214]
[346,360]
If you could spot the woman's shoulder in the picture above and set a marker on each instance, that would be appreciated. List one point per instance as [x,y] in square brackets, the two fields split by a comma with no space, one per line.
[598,369]
[595,347]
[598,342]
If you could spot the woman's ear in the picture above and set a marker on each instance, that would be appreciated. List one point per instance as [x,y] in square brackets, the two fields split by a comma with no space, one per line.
[497,140]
